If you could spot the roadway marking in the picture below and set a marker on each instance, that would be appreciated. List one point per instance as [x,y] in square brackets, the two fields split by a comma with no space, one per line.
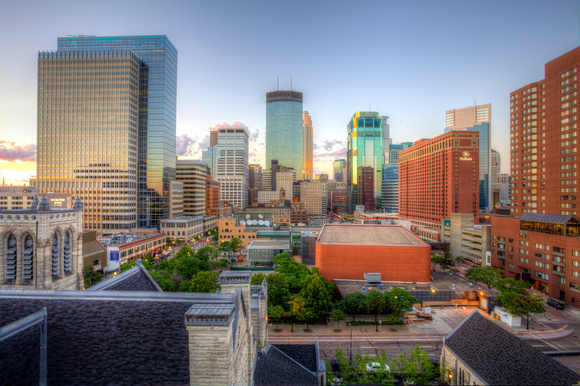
[425,346]
[537,345]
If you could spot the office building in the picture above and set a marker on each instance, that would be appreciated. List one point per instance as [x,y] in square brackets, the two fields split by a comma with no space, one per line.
[308,143]
[175,199]
[476,118]
[193,173]
[230,164]
[365,148]
[284,130]
[313,195]
[157,113]
[339,168]
[467,240]
[544,141]
[437,177]
[255,181]
[98,100]
[212,194]
[390,188]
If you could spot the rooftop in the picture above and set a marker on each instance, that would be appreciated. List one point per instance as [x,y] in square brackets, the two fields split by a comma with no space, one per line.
[371,235]
[127,238]
[502,358]
[268,244]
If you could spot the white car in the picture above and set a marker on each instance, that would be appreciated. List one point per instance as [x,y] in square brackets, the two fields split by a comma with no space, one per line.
[376,366]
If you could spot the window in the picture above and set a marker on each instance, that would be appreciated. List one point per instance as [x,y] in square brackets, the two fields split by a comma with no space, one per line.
[541,275]
[542,265]
[510,266]
[542,246]
[524,260]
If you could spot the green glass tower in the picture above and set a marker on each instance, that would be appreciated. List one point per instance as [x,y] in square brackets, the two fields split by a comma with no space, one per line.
[284,130]
[365,149]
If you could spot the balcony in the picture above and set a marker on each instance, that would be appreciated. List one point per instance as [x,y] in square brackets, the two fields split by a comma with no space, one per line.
[559,263]
[558,253]
[562,274]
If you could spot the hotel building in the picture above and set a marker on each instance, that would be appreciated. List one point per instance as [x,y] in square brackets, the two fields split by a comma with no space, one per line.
[437,177]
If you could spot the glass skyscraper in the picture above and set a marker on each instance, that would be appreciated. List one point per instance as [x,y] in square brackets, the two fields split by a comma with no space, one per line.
[284,130]
[391,176]
[157,114]
[476,118]
[365,149]
[339,168]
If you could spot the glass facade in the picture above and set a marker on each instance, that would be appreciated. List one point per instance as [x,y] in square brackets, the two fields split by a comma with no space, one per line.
[284,130]
[365,149]
[88,115]
[157,114]
[339,167]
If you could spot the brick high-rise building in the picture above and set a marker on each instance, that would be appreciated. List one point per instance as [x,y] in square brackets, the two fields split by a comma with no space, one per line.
[212,194]
[437,177]
[366,183]
[544,141]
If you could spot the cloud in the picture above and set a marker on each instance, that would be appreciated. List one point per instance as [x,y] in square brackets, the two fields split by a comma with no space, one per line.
[329,151]
[235,125]
[191,147]
[9,151]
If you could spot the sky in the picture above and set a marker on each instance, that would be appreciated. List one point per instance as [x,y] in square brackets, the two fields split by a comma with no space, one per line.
[409,60]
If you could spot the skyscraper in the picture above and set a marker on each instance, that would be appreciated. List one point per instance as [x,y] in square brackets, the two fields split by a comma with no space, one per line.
[284,130]
[193,173]
[544,141]
[476,118]
[157,85]
[391,176]
[88,133]
[365,147]
[308,168]
[231,164]
[254,181]
[339,168]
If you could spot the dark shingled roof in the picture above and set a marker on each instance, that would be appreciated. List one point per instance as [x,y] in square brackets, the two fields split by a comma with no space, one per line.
[305,354]
[545,217]
[134,279]
[274,367]
[104,337]
[20,357]
[500,358]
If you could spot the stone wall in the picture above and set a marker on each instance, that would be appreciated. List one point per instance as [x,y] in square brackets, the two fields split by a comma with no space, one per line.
[461,374]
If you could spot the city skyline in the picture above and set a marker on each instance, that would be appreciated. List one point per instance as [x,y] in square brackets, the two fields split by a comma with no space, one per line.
[486,67]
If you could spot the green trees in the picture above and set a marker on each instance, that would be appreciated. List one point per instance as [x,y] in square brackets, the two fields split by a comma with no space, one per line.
[355,302]
[415,367]
[277,313]
[278,290]
[515,298]
[204,282]
[296,308]
[337,316]
[257,278]
[445,262]
[486,274]
[91,276]
[316,295]
[376,303]
[400,301]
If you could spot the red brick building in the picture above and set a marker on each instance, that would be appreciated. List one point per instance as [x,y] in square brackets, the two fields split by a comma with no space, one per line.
[212,195]
[437,177]
[349,251]
[543,249]
[366,187]
[544,141]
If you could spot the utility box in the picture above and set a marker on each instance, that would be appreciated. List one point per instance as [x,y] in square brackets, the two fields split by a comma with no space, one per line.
[373,278]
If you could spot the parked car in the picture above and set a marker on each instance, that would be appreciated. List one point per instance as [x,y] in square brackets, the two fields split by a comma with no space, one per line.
[555,304]
[376,366]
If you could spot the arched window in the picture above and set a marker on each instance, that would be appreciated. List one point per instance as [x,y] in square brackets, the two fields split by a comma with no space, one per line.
[55,257]
[28,259]
[11,259]
[67,253]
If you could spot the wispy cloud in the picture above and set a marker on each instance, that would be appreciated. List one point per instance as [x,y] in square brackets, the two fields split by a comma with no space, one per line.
[191,146]
[9,151]
[329,150]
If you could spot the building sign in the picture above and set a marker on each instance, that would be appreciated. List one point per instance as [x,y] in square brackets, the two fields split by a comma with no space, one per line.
[57,202]
[488,258]
[575,287]
[446,223]
[465,156]
[114,255]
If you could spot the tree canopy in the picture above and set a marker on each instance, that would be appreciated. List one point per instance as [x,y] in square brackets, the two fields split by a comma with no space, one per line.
[485,274]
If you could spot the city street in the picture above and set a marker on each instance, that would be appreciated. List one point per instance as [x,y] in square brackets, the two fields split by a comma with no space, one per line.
[548,332]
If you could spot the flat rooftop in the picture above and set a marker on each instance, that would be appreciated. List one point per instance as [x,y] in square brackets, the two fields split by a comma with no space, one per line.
[268,244]
[372,235]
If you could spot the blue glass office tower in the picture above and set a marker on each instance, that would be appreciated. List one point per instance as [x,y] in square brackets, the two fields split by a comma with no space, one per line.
[365,154]
[157,115]
[391,176]
[284,130]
